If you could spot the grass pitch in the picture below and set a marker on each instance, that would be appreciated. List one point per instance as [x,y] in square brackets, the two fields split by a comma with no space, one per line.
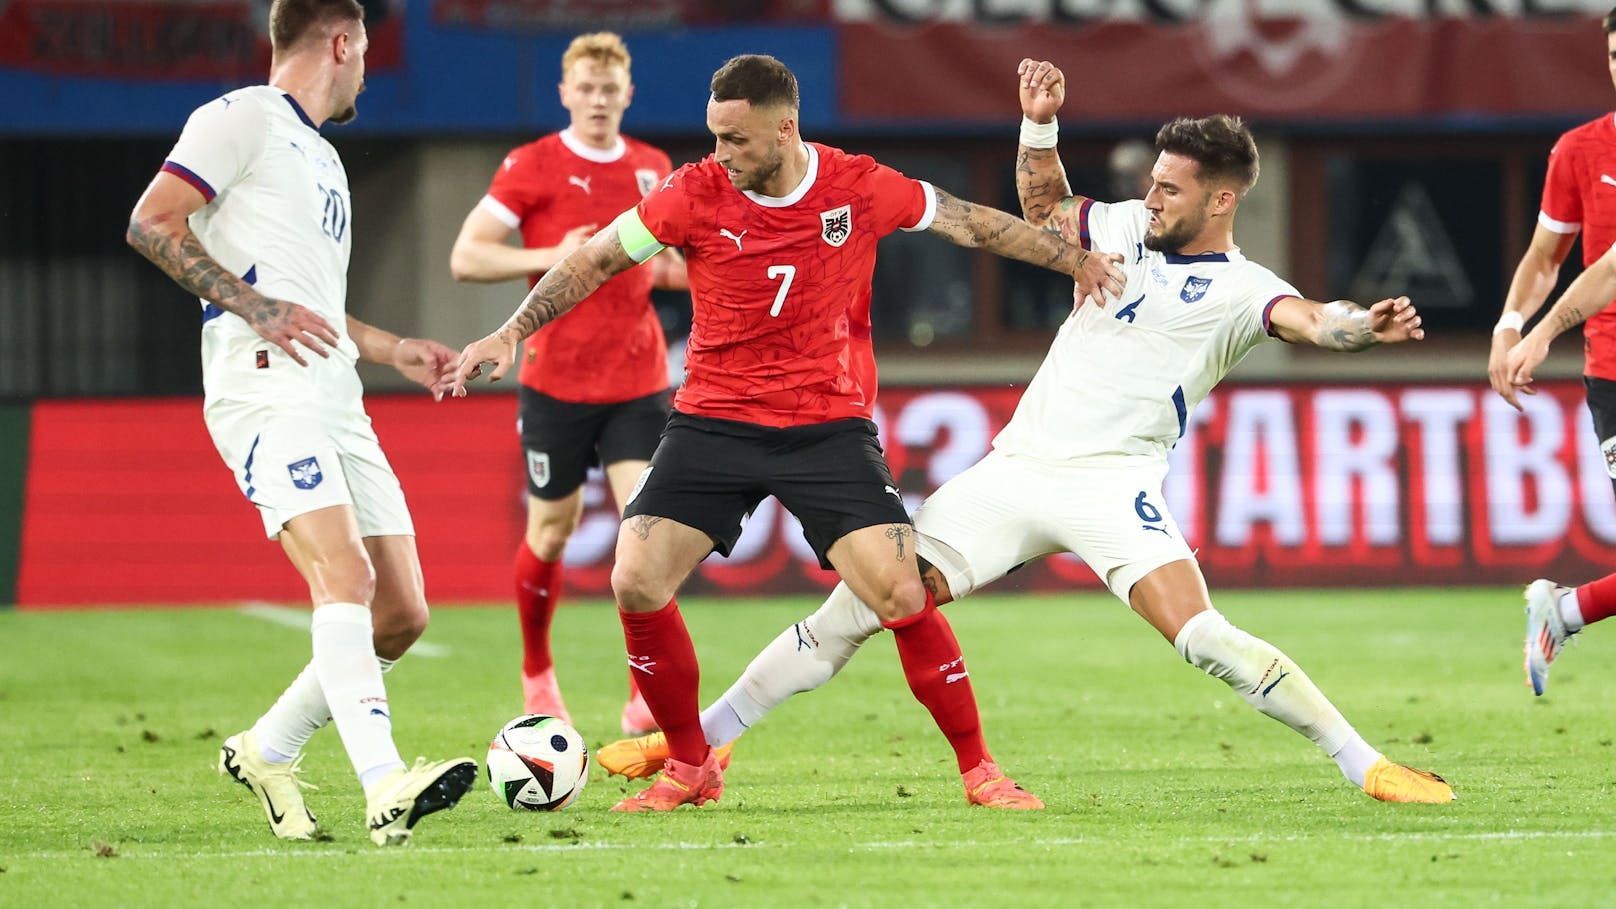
[1164,789]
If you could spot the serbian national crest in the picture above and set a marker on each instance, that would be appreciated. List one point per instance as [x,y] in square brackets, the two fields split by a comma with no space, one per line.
[836,225]
[1194,288]
[305,473]
[646,179]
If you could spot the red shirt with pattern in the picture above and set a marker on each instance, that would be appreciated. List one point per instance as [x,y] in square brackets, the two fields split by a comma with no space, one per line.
[608,348]
[1579,193]
[780,287]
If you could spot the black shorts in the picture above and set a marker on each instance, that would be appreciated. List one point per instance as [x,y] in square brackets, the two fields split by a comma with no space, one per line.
[1602,404]
[562,440]
[709,474]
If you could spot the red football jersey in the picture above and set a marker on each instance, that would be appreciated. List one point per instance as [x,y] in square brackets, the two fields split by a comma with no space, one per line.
[609,347]
[1579,192]
[780,332]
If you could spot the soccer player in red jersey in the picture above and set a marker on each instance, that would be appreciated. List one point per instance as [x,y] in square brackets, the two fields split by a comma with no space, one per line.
[780,238]
[1579,194]
[594,388]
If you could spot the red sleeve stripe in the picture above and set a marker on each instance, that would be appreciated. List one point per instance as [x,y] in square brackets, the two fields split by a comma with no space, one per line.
[1083,223]
[184,173]
[1268,315]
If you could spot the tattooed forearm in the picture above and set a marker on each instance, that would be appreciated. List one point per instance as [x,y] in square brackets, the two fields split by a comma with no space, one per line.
[180,255]
[1040,182]
[1567,315]
[901,533]
[1344,326]
[640,525]
[567,283]
[968,224]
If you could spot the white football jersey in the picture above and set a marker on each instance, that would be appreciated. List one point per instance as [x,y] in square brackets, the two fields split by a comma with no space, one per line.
[278,217]
[1122,379]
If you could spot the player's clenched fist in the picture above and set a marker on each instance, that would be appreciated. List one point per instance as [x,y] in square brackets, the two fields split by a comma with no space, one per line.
[1043,89]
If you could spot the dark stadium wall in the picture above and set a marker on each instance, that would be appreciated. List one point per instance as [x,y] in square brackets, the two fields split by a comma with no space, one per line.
[13,470]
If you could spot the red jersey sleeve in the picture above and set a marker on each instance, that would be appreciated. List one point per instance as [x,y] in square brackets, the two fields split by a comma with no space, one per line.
[1562,197]
[665,210]
[899,202]
[514,185]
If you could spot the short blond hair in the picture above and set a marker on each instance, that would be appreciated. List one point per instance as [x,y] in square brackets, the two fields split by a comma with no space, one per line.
[606,48]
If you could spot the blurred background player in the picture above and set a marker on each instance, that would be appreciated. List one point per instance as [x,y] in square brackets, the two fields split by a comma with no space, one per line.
[1555,613]
[780,236]
[1080,466]
[594,389]
[1575,193]
[250,213]
[1128,167]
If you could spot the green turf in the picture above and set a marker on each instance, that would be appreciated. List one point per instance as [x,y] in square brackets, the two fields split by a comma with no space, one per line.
[1164,789]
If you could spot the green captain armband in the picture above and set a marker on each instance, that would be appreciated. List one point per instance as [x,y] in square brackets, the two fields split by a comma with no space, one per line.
[636,237]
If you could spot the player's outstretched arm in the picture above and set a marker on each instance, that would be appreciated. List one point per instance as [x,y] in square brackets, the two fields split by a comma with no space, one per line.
[1344,325]
[1534,280]
[424,362]
[1046,197]
[968,224]
[159,231]
[1591,292]
[562,287]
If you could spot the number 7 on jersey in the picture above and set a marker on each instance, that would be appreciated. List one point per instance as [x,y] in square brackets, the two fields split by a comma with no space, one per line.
[788,272]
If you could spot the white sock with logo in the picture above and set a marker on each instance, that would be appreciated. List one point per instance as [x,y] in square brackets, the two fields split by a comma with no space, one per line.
[345,664]
[296,716]
[1269,681]
[802,658]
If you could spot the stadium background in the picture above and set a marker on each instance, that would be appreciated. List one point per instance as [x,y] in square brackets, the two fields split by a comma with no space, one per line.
[1403,150]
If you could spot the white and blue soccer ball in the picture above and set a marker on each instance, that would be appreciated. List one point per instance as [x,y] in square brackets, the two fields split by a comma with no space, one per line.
[538,763]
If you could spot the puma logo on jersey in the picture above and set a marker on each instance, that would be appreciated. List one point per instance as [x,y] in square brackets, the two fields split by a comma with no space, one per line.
[893,490]
[1606,178]
[580,182]
[724,232]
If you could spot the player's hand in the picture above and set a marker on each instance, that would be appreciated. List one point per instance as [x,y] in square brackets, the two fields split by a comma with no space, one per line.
[492,356]
[1043,89]
[575,238]
[286,325]
[1100,276]
[1394,320]
[1498,365]
[426,363]
[1520,363]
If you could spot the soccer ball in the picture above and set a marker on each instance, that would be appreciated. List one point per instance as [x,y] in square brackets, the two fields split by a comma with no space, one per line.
[538,763]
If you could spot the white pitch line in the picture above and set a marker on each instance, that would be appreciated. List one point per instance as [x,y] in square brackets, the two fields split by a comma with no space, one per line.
[343,850]
[299,619]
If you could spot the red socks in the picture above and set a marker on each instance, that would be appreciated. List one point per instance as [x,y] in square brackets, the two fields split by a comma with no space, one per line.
[662,660]
[935,668]
[538,587]
[1597,599]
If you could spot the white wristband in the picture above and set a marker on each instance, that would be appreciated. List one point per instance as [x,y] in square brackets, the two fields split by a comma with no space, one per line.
[1039,135]
[1509,321]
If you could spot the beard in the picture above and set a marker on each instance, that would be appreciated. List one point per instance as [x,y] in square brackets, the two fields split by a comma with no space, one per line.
[1171,241]
[767,170]
[346,114]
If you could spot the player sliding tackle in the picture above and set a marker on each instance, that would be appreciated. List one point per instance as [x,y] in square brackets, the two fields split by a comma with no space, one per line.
[1080,466]
[780,237]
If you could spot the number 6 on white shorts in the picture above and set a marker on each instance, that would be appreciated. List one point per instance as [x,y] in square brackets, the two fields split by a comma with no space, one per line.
[787,272]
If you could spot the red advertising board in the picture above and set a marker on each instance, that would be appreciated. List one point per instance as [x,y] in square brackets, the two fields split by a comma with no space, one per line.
[1296,485]
[153,39]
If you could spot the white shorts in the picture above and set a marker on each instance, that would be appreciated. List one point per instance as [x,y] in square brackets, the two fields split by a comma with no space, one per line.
[289,466]
[1007,510]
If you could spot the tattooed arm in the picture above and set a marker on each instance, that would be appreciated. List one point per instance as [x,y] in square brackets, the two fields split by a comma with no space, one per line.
[1344,325]
[159,231]
[1047,201]
[968,224]
[562,287]
[1591,292]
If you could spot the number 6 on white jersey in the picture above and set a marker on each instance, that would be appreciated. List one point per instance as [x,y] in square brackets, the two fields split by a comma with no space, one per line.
[781,271]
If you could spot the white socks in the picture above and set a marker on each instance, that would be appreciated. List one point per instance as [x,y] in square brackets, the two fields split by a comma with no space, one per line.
[802,658]
[345,665]
[1270,682]
[1571,611]
[297,715]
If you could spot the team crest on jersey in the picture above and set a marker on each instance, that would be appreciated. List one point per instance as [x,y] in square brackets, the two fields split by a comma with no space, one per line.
[1608,447]
[1194,288]
[538,468]
[646,179]
[836,224]
[305,473]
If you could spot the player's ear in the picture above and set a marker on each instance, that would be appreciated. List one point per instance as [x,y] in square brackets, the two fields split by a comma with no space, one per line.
[339,46]
[787,130]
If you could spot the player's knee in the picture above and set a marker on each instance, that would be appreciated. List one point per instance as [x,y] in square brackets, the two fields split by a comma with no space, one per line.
[637,589]
[348,577]
[904,597]
[1211,644]
[547,536]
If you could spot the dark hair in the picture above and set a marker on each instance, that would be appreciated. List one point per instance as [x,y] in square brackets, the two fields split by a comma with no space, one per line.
[757,79]
[290,21]
[1220,144]
[1610,21]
